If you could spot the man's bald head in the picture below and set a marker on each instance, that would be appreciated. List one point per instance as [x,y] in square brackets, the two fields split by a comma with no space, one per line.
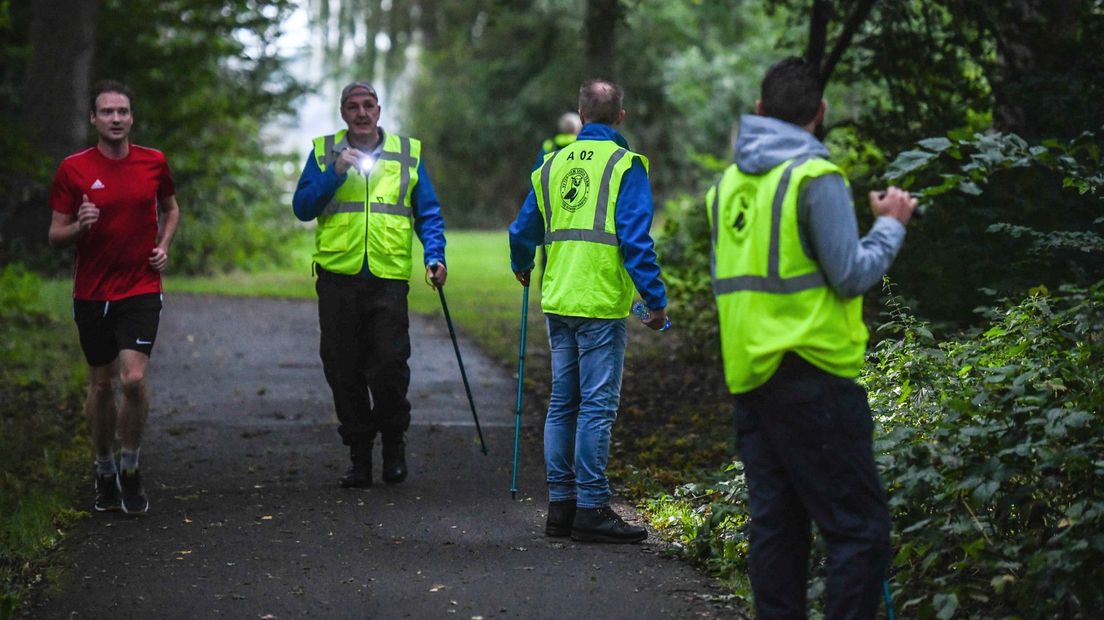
[600,101]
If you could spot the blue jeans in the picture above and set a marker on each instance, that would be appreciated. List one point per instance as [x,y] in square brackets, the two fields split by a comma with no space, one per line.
[587,358]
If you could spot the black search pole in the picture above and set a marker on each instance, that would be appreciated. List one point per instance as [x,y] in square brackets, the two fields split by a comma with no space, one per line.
[459,360]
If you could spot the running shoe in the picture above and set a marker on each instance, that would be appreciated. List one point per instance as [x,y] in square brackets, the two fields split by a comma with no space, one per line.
[108,493]
[134,496]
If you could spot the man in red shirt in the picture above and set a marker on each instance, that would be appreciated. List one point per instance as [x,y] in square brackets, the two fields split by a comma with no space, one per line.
[106,201]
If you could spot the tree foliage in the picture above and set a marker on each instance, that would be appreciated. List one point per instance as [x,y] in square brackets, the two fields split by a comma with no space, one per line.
[501,103]
[206,79]
[1018,214]
[882,102]
[491,79]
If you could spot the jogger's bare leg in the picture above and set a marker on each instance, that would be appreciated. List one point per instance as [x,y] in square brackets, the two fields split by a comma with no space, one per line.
[100,408]
[135,406]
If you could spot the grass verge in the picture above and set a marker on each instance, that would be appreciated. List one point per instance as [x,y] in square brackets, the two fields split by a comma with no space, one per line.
[43,444]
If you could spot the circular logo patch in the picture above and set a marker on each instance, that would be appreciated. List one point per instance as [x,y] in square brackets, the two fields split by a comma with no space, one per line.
[741,214]
[574,190]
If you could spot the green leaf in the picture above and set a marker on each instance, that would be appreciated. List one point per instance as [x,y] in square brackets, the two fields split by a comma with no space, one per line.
[945,606]
[961,135]
[984,491]
[908,162]
[969,187]
[995,332]
[936,145]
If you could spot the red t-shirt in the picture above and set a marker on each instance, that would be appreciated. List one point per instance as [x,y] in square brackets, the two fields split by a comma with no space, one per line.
[112,259]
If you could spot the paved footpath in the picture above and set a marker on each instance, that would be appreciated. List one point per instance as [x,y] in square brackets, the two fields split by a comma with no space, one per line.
[242,459]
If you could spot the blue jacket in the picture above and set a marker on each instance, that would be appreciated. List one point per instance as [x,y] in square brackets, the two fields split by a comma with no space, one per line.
[632,221]
[316,188]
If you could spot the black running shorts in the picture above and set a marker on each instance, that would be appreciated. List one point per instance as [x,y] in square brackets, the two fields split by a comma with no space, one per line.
[107,327]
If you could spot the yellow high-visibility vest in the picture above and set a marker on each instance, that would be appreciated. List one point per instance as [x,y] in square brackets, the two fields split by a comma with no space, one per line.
[576,190]
[369,216]
[771,296]
[558,141]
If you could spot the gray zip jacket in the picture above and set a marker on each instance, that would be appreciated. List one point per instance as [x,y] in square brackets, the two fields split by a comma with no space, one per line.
[825,212]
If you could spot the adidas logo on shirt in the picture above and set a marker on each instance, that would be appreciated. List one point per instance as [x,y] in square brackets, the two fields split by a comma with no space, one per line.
[98,184]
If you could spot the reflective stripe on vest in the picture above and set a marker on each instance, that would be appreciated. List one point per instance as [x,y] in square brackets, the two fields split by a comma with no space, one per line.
[406,163]
[598,233]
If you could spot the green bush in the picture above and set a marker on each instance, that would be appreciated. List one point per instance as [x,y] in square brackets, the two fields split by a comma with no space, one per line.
[44,452]
[992,449]
[990,445]
[683,249]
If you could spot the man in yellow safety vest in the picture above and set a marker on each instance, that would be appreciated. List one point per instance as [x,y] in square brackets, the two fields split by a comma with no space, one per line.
[789,270]
[370,192]
[591,205]
[567,130]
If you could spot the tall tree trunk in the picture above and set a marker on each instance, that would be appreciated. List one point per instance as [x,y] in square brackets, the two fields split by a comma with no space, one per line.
[601,37]
[62,38]
[819,18]
[850,27]
[822,14]
[428,23]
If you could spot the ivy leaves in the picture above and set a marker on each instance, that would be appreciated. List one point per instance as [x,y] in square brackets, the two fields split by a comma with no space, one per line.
[993,465]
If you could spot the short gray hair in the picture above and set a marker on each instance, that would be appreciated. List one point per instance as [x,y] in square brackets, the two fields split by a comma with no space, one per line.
[569,123]
[600,101]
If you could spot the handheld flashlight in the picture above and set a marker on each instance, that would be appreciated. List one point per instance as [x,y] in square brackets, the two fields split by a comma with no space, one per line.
[917,213]
[366,164]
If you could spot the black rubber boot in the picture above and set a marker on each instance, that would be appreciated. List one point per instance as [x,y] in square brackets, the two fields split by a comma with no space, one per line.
[359,475]
[394,458]
[604,525]
[560,517]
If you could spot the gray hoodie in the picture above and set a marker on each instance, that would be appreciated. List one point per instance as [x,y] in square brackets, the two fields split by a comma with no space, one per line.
[825,212]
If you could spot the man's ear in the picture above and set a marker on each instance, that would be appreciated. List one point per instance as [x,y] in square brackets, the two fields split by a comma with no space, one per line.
[821,109]
[759,107]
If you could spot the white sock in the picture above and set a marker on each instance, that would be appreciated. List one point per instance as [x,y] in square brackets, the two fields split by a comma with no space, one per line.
[128,460]
[105,464]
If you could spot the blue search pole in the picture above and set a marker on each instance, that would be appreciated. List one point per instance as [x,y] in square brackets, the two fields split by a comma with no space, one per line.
[520,387]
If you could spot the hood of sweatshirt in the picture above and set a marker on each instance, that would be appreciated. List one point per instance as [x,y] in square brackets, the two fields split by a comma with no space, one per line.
[765,142]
